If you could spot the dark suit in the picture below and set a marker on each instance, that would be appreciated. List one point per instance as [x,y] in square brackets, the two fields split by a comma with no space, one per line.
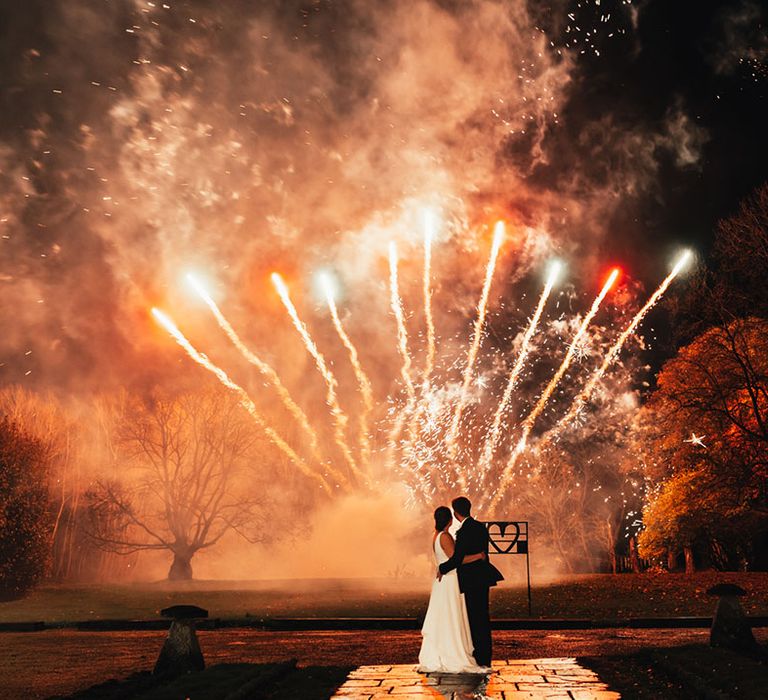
[475,581]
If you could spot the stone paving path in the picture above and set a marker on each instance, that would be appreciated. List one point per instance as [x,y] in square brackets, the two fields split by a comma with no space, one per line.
[560,679]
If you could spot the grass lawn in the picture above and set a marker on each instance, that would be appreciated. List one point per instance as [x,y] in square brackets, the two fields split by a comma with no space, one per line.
[589,596]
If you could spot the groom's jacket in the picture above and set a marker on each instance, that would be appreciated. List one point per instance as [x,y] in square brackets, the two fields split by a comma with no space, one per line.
[472,538]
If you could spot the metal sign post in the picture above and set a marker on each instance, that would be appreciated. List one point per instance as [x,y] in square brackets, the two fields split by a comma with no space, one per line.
[511,537]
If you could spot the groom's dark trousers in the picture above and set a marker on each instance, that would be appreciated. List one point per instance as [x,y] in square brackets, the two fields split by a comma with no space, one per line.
[475,581]
[479,624]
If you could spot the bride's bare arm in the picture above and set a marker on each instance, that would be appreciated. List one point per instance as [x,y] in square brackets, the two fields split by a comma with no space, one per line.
[447,543]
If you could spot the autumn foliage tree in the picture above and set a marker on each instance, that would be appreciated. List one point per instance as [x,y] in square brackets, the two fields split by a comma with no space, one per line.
[189,478]
[707,441]
[704,433]
[26,518]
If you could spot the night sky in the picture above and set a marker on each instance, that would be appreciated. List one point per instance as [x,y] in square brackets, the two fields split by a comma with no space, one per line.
[709,59]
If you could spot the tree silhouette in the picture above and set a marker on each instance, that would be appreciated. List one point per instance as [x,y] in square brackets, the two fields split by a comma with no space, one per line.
[733,284]
[189,478]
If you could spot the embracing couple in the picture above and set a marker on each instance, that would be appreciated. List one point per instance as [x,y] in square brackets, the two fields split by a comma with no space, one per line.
[457,626]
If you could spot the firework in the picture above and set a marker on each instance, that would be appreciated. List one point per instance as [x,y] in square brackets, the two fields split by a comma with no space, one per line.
[530,420]
[405,370]
[477,337]
[613,353]
[494,433]
[424,426]
[428,235]
[697,440]
[364,383]
[242,395]
[415,408]
[255,360]
[402,332]
[340,418]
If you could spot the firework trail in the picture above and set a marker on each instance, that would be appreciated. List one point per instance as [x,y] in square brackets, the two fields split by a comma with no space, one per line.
[405,370]
[477,337]
[528,423]
[340,419]
[402,333]
[494,434]
[262,366]
[429,225]
[416,412]
[366,390]
[245,400]
[584,395]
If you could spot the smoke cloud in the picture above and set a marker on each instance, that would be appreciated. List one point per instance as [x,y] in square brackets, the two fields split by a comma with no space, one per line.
[142,140]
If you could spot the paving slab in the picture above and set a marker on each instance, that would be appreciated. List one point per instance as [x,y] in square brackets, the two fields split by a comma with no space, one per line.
[513,679]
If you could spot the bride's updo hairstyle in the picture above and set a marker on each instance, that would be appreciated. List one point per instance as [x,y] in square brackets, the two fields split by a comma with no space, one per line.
[443,517]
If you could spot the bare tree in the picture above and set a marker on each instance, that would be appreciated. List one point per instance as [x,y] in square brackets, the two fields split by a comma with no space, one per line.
[556,497]
[189,478]
[732,285]
[607,527]
[741,256]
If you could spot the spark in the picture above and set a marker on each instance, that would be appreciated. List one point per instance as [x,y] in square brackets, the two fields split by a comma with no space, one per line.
[402,332]
[581,352]
[255,360]
[697,440]
[529,422]
[494,433]
[610,357]
[366,390]
[340,418]
[242,395]
[394,436]
[477,337]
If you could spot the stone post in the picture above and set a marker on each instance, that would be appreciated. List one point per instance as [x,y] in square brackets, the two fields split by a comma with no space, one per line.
[181,651]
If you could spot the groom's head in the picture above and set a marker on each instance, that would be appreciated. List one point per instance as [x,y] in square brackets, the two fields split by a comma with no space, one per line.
[461,507]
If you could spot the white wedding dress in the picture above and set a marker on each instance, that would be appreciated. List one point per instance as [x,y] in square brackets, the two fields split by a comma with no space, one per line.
[447,643]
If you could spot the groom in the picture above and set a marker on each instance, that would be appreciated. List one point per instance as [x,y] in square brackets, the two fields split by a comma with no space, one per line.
[475,579]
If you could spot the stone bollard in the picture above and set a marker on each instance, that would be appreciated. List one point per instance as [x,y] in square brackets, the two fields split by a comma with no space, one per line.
[181,651]
[730,626]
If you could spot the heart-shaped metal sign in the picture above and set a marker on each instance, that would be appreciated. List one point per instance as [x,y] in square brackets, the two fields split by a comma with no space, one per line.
[502,540]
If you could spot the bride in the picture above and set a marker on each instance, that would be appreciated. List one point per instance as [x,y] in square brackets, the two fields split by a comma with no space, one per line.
[447,645]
